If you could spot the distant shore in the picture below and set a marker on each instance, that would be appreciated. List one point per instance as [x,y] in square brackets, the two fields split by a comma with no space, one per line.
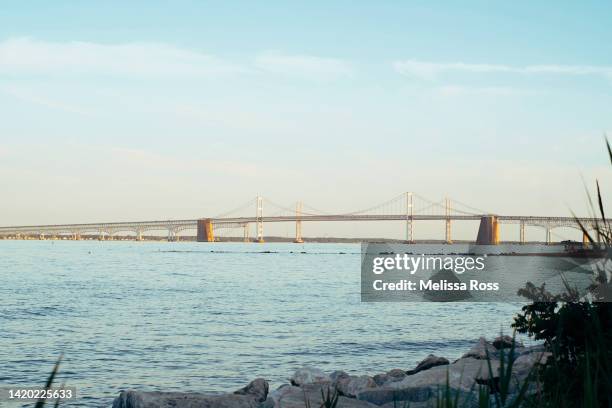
[272,239]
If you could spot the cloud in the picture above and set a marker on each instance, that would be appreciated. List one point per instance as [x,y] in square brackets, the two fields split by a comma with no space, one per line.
[25,56]
[431,70]
[304,66]
[32,97]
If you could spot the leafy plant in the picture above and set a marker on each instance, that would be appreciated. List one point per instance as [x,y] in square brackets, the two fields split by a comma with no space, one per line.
[575,328]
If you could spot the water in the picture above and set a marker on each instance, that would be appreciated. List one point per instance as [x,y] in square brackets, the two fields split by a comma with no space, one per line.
[162,316]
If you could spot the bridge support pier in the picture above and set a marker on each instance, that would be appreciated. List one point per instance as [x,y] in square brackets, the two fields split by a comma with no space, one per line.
[448,222]
[488,232]
[245,232]
[298,223]
[173,235]
[548,236]
[205,230]
[139,235]
[259,218]
[522,233]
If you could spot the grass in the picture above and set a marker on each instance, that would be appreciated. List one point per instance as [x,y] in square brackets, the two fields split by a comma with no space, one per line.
[41,402]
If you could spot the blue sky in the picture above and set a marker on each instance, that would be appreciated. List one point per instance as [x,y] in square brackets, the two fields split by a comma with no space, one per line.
[181,109]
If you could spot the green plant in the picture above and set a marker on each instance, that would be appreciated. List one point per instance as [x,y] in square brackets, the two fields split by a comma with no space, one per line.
[576,328]
[41,402]
[498,385]
[330,398]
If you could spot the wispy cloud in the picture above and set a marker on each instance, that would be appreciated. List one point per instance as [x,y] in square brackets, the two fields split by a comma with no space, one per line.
[19,56]
[431,70]
[32,97]
[26,56]
[304,66]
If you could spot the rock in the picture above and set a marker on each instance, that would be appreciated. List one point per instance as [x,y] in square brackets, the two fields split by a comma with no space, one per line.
[337,375]
[352,385]
[380,379]
[526,361]
[250,396]
[396,375]
[427,363]
[505,341]
[257,388]
[424,385]
[288,396]
[309,375]
[479,351]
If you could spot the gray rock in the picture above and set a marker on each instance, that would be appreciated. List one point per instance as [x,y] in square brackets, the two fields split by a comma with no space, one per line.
[309,375]
[424,385]
[294,397]
[525,363]
[505,341]
[258,388]
[250,396]
[337,375]
[479,351]
[396,374]
[380,379]
[427,363]
[352,385]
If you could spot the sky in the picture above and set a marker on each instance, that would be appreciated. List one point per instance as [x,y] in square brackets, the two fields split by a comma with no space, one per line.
[117,111]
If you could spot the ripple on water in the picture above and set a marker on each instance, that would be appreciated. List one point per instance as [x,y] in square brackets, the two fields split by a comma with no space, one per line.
[191,317]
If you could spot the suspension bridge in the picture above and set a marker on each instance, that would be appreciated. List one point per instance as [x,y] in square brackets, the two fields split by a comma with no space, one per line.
[407,207]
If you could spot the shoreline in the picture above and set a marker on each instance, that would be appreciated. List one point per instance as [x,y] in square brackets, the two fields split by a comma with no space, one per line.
[419,386]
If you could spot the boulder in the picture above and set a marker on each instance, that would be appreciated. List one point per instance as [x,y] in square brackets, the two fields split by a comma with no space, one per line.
[505,341]
[525,363]
[380,379]
[352,385]
[289,396]
[258,388]
[396,374]
[480,349]
[309,375]
[250,396]
[427,363]
[337,375]
[424,385]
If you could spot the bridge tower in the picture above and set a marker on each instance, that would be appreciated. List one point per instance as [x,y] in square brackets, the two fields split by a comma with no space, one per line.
[409,218]
[298,222]
[447,208]
[259,219]
[522,233]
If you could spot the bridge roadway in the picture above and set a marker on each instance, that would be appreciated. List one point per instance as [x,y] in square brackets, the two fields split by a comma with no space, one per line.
[176,226]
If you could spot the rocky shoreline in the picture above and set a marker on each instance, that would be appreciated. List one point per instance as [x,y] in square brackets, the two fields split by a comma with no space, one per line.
[398,387]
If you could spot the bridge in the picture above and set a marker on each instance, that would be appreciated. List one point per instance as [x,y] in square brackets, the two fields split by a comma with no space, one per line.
[407,207]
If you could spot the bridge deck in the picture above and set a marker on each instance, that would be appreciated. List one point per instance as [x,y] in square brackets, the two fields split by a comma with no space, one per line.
[179,225]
